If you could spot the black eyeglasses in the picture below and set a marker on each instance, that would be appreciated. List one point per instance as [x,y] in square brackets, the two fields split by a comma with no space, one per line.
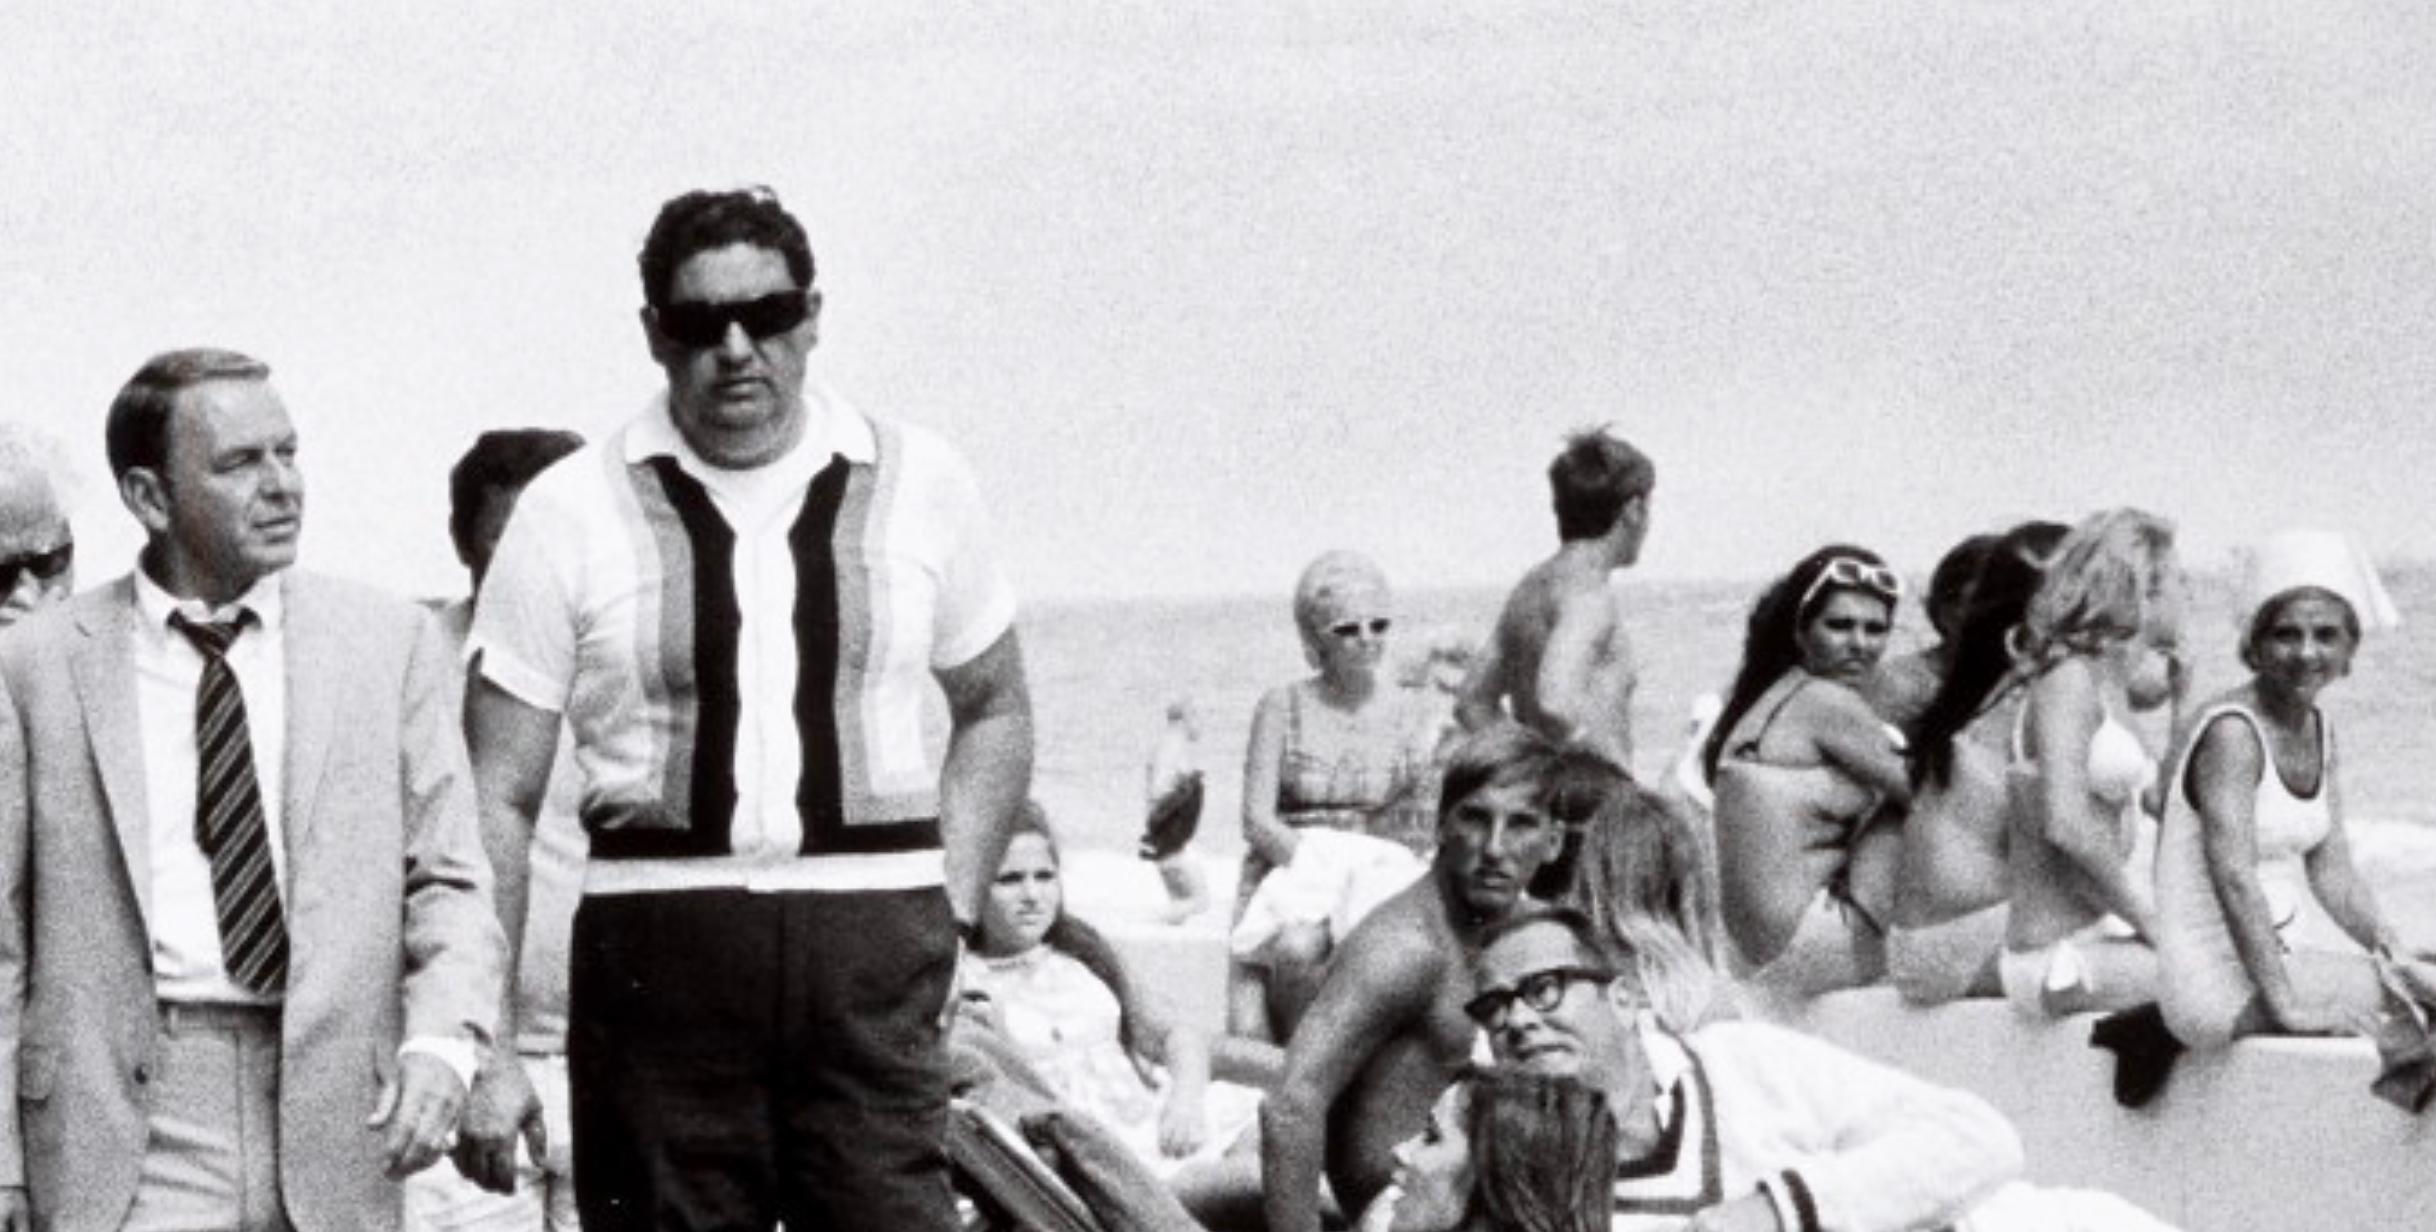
[45,566]
[705,325]
[1350,629]
[1543,991]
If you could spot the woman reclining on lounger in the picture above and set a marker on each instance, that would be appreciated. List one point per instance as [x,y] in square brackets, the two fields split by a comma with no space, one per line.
[1050,987]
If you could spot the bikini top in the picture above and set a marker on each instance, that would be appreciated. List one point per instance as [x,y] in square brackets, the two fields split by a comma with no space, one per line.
[2119,765]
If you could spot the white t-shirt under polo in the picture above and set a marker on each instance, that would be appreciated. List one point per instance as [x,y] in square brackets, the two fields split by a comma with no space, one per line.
[743,655]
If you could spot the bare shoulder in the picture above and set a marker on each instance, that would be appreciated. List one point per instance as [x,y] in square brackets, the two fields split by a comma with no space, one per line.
[1405,941]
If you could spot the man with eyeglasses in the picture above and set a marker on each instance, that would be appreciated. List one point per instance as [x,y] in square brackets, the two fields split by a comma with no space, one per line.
[1740,1126]
[1560,655]
[1386,1032]
[738,603]
[37,554]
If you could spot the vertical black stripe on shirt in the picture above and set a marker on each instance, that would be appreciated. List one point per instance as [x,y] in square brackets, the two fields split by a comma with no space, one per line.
[819,792]
[711,798]
[825,627]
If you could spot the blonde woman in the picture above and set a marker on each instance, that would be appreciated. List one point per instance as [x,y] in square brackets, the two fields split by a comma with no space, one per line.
[2100,641]
[1344,748]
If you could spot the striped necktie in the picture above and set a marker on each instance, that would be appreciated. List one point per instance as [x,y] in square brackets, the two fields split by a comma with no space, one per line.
[229,823]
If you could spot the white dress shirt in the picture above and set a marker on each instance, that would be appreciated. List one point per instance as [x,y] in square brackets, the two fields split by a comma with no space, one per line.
[186,961]
[187,964]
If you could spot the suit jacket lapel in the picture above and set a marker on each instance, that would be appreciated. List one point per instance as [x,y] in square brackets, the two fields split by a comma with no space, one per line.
[315,680]
[105,682]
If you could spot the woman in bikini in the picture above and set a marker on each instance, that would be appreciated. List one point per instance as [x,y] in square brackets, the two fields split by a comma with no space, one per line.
[1800,765]
[2264,923]
[2100,642]
[1949,913]
[1344,748]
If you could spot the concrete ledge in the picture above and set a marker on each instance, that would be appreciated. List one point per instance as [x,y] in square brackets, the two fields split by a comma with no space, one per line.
[2270,1133]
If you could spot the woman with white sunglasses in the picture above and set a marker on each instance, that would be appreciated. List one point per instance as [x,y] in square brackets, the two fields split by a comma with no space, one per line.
[1801,765]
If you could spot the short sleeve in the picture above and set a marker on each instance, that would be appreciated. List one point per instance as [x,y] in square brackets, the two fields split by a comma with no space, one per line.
[525,619]
[975,604]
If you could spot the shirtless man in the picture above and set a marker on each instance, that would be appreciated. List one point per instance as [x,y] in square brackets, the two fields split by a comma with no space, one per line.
[1387,1031]
[1560,656]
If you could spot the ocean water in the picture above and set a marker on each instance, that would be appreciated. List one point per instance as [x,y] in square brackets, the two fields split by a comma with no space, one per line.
[1102,672]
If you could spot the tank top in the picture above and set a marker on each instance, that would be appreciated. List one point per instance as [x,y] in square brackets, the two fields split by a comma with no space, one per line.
[2287,825]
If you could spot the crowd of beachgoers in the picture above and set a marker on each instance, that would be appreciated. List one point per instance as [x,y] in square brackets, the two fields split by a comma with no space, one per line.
[1481,978]
[1986,816]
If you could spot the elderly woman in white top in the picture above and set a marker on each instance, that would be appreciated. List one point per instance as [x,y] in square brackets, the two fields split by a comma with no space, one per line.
[2256,886]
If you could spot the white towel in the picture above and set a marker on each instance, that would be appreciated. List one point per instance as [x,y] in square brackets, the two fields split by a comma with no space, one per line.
[1336,878]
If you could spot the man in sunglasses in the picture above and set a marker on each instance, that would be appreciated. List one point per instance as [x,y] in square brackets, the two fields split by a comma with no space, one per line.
[1386,1032]
[1560,657]
[37,554]
[1739,1125]
[738,602]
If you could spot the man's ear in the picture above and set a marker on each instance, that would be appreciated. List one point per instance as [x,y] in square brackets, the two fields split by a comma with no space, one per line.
[145,492]
[662,350]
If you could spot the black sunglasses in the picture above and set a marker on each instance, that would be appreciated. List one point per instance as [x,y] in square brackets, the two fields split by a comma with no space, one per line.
[1378,626]
[1543,991]
[46,566]
[705,325]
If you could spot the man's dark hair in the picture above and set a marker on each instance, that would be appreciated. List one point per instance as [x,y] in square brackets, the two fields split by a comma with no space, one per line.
[704,221]
[137,433]
[1502,752]
[504,458]
[1592,479]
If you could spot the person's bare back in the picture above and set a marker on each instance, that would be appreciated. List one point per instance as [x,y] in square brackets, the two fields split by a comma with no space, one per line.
[1560,659]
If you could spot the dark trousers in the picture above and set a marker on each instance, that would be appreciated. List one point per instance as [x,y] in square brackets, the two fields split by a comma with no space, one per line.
[739,1059]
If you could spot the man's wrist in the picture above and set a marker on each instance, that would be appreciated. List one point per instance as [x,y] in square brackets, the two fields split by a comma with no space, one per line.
[463,1057]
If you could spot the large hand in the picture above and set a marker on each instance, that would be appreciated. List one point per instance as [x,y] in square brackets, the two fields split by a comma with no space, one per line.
[501,1108]
[15,1215]
[1751,1212]
[417,1113]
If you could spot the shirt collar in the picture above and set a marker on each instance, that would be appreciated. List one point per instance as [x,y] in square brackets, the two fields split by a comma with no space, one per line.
[266,599]
[832,427]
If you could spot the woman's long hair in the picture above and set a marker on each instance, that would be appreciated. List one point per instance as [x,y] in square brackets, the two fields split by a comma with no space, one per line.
[1647,881]
[1981,666]
[1543,1154]
[1769,648]
[1069,935]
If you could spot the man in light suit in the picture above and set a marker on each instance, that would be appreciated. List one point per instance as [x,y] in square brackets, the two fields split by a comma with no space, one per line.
[248,963]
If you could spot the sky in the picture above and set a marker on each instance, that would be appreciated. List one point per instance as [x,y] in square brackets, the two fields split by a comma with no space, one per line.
[1205,289]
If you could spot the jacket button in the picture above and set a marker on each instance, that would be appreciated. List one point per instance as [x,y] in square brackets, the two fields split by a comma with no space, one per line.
[143,1074]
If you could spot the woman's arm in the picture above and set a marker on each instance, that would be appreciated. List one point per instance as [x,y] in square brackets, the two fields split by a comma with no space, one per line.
[1262,831]
[2064,714]
[1851,737]
[2226,770]
[1185,1053]
[2335,877]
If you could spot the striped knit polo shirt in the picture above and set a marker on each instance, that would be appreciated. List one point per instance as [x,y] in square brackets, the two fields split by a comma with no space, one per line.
[744,657]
